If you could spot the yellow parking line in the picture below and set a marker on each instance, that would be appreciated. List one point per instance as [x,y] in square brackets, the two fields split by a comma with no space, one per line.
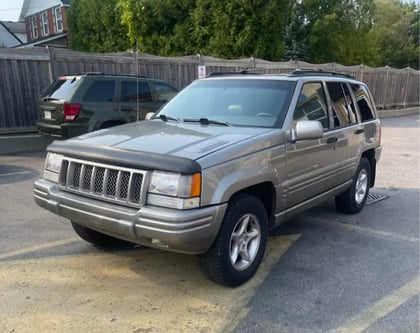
[363,230]
[389,303]
[38,247]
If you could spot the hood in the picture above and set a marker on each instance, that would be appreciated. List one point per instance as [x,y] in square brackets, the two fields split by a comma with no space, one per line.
[188,140]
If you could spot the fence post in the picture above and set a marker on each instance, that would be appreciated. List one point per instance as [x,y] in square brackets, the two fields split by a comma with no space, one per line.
[406,87]
[362,72]
[51,63]
[386,86]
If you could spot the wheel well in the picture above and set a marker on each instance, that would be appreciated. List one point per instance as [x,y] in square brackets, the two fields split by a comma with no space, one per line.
[370,156]
[266,194]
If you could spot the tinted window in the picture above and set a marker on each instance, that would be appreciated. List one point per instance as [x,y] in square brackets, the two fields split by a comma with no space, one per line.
[238,102]
[100,91]
[363,102]
[312,105]
[164,92]
[341,103]
[61,88]
[130,90]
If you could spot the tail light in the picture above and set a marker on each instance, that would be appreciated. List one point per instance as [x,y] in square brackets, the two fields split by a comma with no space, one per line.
[71,111]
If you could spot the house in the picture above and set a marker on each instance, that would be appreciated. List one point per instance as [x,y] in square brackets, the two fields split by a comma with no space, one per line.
[46,22]
[12,34]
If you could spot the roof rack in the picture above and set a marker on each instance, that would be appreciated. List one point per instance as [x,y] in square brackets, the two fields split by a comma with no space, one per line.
[242,72]
[320,72]
[107,74]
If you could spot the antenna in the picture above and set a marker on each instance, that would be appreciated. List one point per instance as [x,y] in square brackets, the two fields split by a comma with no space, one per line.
[137,79]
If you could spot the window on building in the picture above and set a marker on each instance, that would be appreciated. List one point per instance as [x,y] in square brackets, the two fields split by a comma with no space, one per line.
[34,26]
[58,19]
[45,27]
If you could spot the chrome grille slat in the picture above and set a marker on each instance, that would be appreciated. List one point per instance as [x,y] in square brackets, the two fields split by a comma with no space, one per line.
[123,186]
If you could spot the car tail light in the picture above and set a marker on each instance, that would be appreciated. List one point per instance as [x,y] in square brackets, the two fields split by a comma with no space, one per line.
[71,111]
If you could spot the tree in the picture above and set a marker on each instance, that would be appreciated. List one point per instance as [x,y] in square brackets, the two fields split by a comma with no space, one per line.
[95,26]
[296,35]
[339,30]
[395,34]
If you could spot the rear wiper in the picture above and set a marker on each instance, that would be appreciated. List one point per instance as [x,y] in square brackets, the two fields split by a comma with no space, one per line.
[206,121]
[46,99]
[165,118]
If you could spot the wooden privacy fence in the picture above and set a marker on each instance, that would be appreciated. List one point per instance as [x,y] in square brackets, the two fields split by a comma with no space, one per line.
[25,73]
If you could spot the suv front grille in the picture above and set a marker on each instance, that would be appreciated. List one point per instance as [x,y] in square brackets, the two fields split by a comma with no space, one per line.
[109,183]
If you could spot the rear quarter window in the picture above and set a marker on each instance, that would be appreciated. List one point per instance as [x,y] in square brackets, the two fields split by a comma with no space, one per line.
[363,102]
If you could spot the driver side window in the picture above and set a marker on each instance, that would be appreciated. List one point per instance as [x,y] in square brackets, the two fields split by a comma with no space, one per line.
[312,104]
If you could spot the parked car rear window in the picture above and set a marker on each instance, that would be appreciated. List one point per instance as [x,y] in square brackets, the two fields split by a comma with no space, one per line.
[164,92]
[61,88]
[100,91]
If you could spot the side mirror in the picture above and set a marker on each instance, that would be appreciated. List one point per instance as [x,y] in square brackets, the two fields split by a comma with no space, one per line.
[307,129]
[149,115]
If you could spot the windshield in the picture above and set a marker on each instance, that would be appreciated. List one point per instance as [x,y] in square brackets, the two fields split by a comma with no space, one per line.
[243,102]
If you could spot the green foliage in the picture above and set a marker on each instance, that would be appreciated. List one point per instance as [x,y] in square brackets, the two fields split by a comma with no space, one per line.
[372,32]
[395,34]
[95,26]
[296,35]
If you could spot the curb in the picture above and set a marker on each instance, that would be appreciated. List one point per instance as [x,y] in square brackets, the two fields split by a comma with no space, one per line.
[23,143]
[397,112]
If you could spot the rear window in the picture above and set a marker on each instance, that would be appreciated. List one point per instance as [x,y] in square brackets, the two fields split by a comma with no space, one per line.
[61,88]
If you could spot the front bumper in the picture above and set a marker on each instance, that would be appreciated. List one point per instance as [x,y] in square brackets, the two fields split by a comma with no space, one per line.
[187,231]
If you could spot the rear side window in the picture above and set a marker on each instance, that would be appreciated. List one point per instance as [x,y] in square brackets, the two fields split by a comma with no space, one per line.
[130,90]
[363,102]
[312,105]
[61,88]
[344,112]
[100,91]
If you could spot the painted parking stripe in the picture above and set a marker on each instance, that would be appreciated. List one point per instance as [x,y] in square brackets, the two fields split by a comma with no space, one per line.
[38,247]
[359,229]
[380,309]
[14,173]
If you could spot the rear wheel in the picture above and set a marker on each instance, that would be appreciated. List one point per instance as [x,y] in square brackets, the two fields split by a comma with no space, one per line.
[99,239]
[353,200]
[239,247]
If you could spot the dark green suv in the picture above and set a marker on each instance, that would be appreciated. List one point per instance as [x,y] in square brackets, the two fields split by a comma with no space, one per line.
[77,104]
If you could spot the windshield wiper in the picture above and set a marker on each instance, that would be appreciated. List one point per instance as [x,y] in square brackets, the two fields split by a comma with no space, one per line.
[206,121]
[165,118]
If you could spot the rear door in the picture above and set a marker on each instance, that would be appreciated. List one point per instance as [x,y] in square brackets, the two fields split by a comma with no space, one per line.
[346,129]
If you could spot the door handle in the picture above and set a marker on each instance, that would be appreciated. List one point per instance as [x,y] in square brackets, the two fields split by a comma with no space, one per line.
[127,109]
[359,131]
[332,140]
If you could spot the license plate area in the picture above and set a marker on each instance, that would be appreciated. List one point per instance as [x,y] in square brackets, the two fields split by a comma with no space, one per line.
[47,115]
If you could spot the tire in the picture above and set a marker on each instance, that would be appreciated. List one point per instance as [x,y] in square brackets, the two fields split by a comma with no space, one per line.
[98,239]
[353,200]
[239,247]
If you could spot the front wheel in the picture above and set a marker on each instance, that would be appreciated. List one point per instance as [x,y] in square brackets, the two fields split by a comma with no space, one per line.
[353,200]
[99,239]
[239,247]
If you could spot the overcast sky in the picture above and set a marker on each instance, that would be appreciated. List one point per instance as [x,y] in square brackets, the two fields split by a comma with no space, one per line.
[10,9]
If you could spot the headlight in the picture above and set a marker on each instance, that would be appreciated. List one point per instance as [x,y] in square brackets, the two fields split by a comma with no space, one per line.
[53,166]
[174,190]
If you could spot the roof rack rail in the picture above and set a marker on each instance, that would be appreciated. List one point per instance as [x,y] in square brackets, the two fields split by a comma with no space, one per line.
[107,74]
[315,71]
[242,72]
